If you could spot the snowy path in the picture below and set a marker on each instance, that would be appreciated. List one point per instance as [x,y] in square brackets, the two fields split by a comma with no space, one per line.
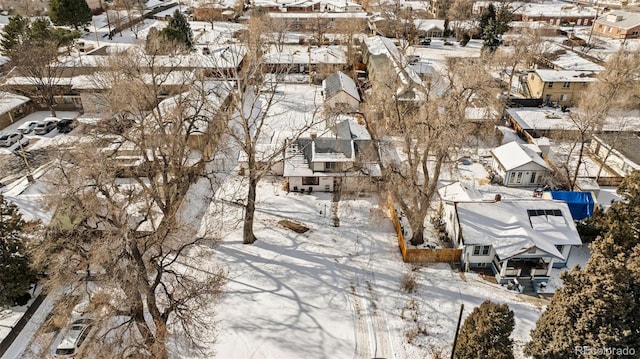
[372,336]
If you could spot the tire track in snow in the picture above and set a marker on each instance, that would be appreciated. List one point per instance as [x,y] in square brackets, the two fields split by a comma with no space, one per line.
[363,344]
[372,335]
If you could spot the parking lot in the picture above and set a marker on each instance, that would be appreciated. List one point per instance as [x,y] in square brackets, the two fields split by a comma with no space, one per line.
[33,149]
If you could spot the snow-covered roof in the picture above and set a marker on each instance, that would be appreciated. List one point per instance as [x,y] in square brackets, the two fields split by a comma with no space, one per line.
[227,56]
[512,155]
[383,46]
[429,24]
[457,192]
[620,19]
[9,101]
[337,82]
[319,15]
[513,227]
[569,60]
[102,80]
[544,8]
[295,54]
[546,118]
[557,9]
[565,76]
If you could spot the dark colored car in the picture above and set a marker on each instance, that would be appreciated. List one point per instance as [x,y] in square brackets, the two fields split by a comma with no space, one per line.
[424,41]
[66,125]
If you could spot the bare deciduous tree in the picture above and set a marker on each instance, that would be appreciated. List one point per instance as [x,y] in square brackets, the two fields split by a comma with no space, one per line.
[120,214]
[428,128]
[253,96]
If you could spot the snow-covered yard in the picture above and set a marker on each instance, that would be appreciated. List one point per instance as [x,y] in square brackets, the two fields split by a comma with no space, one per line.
[335,292]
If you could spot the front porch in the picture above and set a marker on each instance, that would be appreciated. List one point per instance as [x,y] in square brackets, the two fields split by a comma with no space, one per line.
[537,269]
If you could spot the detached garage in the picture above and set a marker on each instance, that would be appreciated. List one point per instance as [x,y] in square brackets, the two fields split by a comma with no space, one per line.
[519,165]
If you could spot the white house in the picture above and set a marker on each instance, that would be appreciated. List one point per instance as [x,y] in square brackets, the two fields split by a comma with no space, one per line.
[340,92]
[341,158]
[518,239]
[519,165]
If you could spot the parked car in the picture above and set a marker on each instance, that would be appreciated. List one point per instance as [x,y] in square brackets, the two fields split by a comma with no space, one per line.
[74,337]
[10,139]
[65,125]
[27,127]
[46,126]
[425,41]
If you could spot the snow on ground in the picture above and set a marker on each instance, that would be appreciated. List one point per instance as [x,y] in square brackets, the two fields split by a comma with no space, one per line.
[578,256]
[334,292]
[437,53]
[589,168]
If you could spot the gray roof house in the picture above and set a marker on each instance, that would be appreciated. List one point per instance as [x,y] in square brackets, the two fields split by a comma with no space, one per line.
[340,92]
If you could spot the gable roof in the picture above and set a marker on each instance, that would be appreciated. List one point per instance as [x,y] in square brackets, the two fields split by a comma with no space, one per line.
[513,155]
[513,227]
[337,82]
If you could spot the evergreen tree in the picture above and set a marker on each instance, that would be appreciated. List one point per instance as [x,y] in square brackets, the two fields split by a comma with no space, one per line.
[15,32]
[598,306]
[492,24]
[15,274]
[179,31]
[19,33]
[485,333]
[74,13]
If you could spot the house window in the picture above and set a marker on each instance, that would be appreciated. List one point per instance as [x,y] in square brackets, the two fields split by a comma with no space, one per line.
[634,34]
[550,85]
[477,250]
[533,177]
[519,178]
[566,85]
[310,181]
[599,26]
[329,165]
[564,97]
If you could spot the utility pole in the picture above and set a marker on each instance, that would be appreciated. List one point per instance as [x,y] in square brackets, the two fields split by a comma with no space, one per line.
[455,338]
[593,24]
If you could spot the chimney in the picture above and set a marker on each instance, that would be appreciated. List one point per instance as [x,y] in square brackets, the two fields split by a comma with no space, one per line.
[498,197]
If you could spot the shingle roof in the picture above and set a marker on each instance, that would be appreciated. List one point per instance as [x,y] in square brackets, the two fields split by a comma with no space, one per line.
[340,82]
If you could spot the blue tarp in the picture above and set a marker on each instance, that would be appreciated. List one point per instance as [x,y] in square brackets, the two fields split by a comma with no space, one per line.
[580,203]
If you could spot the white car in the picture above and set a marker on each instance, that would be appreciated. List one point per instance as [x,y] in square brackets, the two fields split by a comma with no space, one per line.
[9,139]
[27,127]
[73,338]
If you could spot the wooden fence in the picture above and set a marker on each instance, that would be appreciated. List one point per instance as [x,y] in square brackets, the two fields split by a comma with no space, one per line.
[422,255]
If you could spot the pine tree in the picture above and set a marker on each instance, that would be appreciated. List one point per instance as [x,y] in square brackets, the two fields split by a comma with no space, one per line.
[492,24]
[15,274]
[485,333]
[178,30]
[598,306]
[15,32]
[74,13]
